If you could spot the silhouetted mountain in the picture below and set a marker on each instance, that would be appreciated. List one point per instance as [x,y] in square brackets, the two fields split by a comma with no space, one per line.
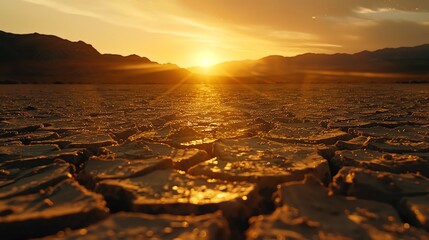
[36,58]
[406,63]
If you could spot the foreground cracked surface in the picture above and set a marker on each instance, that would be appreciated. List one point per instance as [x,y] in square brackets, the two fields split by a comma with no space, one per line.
[214,162]
[300,216]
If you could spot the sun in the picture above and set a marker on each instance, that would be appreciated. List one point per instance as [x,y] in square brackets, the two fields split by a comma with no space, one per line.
[206,59]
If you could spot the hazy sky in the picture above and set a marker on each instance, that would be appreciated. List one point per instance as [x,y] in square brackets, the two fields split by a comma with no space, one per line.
[196,32]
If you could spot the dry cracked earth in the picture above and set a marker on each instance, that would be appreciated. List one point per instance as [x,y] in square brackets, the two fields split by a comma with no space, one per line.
[214,162]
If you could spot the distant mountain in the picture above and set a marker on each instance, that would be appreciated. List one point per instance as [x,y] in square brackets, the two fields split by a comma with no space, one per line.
[38,58]
[397,64]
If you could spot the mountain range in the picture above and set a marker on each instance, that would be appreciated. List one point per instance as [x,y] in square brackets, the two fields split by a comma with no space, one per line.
[385,65]
[38,58]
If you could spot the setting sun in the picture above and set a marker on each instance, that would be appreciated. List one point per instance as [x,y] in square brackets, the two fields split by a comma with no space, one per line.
[206,59]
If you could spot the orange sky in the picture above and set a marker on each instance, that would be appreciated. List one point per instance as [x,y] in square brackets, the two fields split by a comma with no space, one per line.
[203,32]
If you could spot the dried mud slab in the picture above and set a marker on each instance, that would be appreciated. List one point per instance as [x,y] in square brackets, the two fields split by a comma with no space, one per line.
[388,162]
[314,135]
[182,158]
[91,142]
[352,144]
[12,152]
[402,146]
[240,128]
[131,150]
[97,169]
[171,135]
[408,133]
[347,124]
[30,137]
[308,212]
[424,156]
[174,192]
[205,144]
[60,142]
[183,135]
[72,156]
[124,133]
[64,125]
[16,182]
[38,136]
[379,186]
[203,136]
[19,126]
[415,210]
[7,142]
[66,205]
[145,226]
[262,161]
[329,137]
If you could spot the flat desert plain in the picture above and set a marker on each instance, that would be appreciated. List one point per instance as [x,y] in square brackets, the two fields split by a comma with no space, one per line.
[207,161]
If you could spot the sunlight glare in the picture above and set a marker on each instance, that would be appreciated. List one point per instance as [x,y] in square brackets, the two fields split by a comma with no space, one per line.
[206,59]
